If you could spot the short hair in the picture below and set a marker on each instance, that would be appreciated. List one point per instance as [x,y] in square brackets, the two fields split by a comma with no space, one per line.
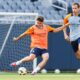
[40,18]
[78,5]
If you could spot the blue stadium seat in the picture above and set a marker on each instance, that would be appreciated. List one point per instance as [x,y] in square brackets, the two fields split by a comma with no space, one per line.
[28,6]
[62,13]
[37,3]
[2,10]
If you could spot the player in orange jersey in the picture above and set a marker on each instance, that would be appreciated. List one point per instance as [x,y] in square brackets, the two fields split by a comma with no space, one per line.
[39,42]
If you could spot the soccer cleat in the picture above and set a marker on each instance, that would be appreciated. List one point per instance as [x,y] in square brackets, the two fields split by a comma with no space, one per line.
[13,64]
[33,73]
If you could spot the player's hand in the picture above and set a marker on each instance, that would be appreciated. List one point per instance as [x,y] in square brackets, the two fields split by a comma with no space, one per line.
[15,39]
[66,38]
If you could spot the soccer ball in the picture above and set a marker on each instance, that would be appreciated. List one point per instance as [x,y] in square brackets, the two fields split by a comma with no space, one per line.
[78,71]
[22,71]
[57,71]
[44,71]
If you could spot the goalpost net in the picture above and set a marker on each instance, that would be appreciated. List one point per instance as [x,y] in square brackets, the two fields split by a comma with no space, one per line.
[14,24]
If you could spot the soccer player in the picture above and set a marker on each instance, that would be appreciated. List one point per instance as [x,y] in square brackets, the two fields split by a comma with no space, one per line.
[39,43]
[73,21]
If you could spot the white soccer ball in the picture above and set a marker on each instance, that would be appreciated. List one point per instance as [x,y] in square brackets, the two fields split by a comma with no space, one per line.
[22,71]
[78,71]
[44,71]
[57,71]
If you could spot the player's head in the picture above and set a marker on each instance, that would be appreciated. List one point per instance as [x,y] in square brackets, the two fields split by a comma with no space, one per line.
[75,7]
[39,21]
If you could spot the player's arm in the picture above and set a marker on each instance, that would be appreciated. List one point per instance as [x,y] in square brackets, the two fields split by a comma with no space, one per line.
[29,31]
[51,29]
[64,30]
[61,28]
[66,36]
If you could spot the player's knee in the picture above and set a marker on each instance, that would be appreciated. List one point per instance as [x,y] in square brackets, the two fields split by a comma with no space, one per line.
[46,58]
[31,58]
[78,54]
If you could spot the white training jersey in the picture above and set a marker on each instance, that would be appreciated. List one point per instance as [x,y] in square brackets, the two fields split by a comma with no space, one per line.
[74,27]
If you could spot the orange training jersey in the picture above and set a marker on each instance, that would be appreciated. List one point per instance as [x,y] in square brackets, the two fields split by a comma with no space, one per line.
[66,18]
[39,37]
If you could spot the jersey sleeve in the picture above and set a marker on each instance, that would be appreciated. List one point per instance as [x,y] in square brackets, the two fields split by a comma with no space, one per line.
[30,30]
[50,29]
[66,18]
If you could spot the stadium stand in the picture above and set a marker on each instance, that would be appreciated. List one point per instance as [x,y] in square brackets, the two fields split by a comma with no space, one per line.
[27,6]
[32,6]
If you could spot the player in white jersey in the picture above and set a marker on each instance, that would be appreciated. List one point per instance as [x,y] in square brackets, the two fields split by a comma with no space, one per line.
[73,21]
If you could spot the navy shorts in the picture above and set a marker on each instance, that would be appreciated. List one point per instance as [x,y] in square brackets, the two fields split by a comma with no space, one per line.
[75,44]
[38,51]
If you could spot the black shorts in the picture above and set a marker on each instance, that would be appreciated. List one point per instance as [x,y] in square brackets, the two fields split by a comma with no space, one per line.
[38,51]
[75,44]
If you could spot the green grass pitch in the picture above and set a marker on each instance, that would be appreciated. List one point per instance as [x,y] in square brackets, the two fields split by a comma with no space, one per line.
[48,76]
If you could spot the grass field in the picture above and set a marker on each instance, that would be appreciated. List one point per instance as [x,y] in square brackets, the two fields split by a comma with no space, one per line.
[48,76]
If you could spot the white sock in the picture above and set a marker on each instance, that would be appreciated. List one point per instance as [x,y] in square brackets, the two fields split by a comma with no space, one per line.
[18,62]
[36,69]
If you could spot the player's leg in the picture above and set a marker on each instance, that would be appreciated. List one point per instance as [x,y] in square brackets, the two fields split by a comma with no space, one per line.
[78,52]
[31,57]
[76,47]
[45,58]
